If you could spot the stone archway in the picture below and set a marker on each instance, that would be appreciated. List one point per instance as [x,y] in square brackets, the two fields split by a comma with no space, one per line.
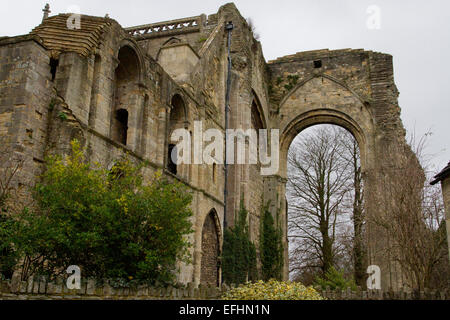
[322,99]
[210,266]
[306,106]
[127,107]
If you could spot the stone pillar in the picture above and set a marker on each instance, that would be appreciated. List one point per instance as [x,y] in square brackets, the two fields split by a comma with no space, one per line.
[275,192]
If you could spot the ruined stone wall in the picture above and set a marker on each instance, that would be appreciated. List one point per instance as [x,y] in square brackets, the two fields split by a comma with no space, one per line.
[354,89]
[42,289]
[42,112]
[25,100]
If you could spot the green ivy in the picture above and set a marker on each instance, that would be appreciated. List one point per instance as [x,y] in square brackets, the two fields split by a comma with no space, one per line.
[239,253]
[8,256]
[271,247]
[62,115]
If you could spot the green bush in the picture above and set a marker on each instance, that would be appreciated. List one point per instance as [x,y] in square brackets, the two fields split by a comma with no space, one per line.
[335,279]
[272,290]
[8,256]
[271,247]
[238,253]
[107,222]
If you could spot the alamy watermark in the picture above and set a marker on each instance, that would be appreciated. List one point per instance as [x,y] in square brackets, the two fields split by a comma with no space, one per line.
[374,279]
[373,21]
[74,280]
[242,147]
[74,20]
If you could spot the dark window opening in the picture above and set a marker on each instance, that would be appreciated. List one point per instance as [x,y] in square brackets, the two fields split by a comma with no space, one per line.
[122,125]
[171,165]
[53,66]
[318,64]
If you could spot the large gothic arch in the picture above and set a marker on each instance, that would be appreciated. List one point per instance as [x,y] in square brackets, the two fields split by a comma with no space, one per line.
[323,99]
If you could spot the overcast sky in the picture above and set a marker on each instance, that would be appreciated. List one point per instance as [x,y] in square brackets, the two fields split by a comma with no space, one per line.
[416,33]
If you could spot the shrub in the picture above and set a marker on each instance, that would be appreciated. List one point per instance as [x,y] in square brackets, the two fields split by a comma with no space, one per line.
[107,222]
[239,253]
[335,279]
[8,256]
[271,247]
[272,290]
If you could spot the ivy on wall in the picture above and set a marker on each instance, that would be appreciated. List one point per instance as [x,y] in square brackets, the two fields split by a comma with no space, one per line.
[271,246]
[239,253]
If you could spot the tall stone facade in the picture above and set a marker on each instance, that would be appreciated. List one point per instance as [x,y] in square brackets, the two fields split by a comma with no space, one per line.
[125,90]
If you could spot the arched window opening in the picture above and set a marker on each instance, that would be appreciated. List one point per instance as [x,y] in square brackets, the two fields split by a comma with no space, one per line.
[256,117]
[126,77]
[256,120]
[121,126]
[177,120]
[171,165]
[53,67]
[210,268]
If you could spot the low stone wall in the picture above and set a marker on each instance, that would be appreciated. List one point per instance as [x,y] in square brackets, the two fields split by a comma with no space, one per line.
[41,289]
[385,295]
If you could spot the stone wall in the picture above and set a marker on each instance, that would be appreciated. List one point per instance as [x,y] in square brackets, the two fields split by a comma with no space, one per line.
[57,290]
[384,295]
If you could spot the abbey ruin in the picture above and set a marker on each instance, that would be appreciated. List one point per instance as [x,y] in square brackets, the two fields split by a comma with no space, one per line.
[124,90]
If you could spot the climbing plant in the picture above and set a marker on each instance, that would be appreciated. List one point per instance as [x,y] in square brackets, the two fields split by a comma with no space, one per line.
[271,247]
[239,253]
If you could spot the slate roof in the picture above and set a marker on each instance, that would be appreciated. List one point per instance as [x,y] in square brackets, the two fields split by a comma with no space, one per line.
[442,175]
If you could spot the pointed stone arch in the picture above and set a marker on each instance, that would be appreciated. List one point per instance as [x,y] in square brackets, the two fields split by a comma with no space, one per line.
[177,119]
[326,76]
[257,107]
[322,99]
[211,248]
[126,101]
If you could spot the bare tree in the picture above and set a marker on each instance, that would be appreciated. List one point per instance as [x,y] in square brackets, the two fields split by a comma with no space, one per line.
[357,245]
[320,181]
[412,218]
[10,166]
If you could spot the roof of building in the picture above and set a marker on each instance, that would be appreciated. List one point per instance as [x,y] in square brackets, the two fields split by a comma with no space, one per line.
[56,34]
[442,175]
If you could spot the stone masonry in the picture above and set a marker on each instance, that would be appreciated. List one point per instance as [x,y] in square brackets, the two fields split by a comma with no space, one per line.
[124,90]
